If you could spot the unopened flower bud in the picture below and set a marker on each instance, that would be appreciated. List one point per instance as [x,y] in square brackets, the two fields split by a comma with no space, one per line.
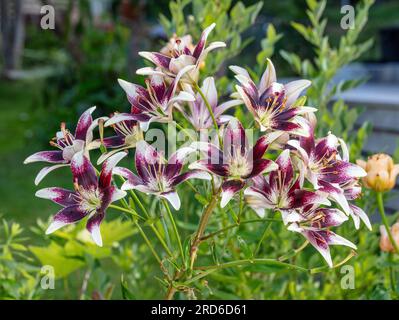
[385,243]
[381,172]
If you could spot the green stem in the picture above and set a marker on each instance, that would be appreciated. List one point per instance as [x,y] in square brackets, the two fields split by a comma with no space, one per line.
[296,251]
[136,198]
[154,229]
[209,269]
[380,202]
[392,277]
[185,131]
[165,230]
[172,220]
[232,213]
[158,235]
[201,227]
[148,242]
[236,226]
[262,238]
[192,187]
[241,206]
[126,210]
[135,214]
[215,124]
[324,268]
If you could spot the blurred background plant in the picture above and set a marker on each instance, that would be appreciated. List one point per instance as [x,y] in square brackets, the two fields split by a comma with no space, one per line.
[64,71]
[19,275]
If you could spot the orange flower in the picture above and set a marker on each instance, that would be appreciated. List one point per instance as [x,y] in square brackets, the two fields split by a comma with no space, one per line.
[385,243]
[381,172]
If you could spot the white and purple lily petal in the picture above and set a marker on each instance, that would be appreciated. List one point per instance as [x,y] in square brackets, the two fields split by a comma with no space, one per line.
[180,56]
[324,167]
[66,216]
[198,114]
[326,217]
[68,145]
[46,156]
[321,240]
[84,123]
[60,196]
[153,103]
[336,194]
[83,172]
[229,189]
[280,190]
[91,197]
[358,214]
[128,133]
[93,226]
[341,172]
[157,176]
[46,170]
[237,162]
[173,199]
[272,103]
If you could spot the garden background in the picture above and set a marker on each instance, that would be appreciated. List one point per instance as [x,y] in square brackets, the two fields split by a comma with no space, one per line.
[49,76]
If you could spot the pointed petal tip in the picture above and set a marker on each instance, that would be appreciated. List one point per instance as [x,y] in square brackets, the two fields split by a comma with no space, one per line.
[96,236]
[122,82]
[42,193]
[54,226]
[260,212]
[173,199]
[114,159]
[127,86]
[46,170]
[91,109]
[125,186]
[225,200]
[208,29]
[144,54]
[147,71]
[28,160]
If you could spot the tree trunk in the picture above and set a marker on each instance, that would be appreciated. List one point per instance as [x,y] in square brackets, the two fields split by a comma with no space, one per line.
[12,28]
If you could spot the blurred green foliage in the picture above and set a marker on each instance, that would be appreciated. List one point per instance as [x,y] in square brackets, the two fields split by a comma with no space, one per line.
[80,62]
[19,276]
[322,69]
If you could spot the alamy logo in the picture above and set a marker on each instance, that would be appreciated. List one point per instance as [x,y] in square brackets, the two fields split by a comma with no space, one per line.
[348,20]
[48,17]
[348,279]
[48,277]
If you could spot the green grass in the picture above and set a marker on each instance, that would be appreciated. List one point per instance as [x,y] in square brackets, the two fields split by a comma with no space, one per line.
[19,130]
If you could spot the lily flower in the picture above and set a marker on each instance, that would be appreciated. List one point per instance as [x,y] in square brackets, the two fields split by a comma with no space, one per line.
[180,56]
[199,115]
[237,162]
[91,196]
[273,104]
[324,167]
[321,163]
[128,133]
[314,223]
[153,103]
[351,191]
[281,190]
[68,145]
[157,176]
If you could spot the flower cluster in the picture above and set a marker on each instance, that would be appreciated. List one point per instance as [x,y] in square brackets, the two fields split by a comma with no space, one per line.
[310,181]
